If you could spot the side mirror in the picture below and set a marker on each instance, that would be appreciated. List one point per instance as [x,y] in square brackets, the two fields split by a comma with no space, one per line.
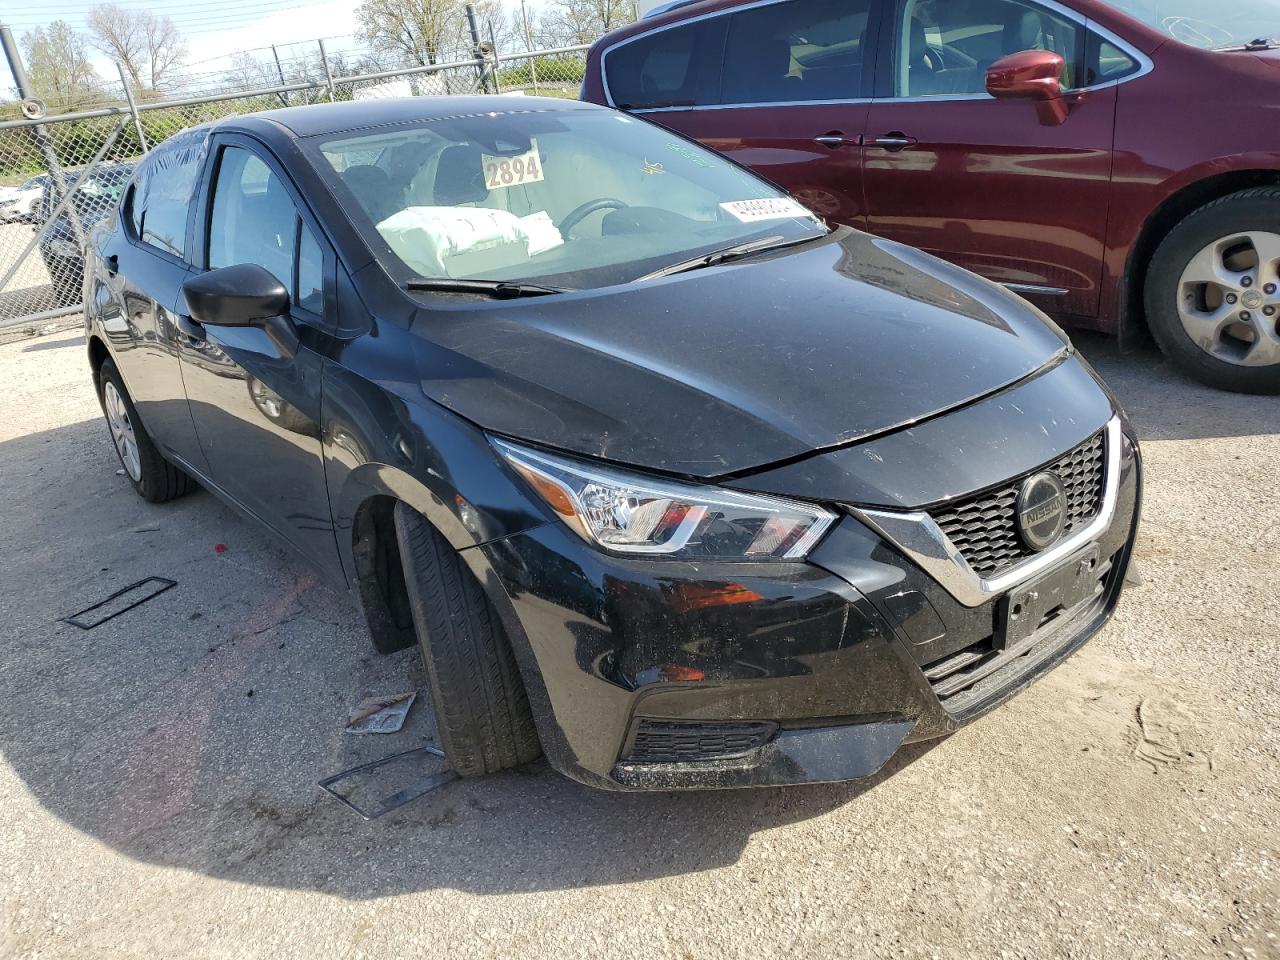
[1031,75]
[238,296]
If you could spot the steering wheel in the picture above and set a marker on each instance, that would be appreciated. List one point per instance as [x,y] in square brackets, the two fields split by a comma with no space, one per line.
[580,212]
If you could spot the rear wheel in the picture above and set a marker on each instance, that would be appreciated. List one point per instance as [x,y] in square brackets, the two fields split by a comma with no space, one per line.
[482,711]
[1213,293]
[153,477]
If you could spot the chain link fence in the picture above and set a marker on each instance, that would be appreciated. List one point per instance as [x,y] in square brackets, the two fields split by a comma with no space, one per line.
[60,176]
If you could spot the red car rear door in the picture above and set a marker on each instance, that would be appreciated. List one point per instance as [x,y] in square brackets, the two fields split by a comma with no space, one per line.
[780,87]
[987,183]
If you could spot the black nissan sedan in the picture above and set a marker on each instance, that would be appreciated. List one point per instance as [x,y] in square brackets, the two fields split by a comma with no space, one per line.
[668,479]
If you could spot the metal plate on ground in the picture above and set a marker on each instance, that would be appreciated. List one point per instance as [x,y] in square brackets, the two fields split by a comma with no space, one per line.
[377,788]
[122,601]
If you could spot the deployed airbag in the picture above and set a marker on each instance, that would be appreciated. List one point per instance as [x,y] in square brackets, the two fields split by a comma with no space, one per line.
[426,237]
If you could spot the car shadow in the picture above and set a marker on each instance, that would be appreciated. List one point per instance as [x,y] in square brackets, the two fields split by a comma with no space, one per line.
[43,344]
[1166,405]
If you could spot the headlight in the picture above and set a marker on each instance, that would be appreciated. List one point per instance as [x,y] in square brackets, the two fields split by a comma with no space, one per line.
[630,513]
[65,248]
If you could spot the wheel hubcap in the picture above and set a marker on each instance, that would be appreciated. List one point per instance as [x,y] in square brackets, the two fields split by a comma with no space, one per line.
[122,431]
[1229,299]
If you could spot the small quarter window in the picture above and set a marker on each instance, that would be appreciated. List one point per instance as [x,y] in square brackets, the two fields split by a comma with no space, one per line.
[310,293]
[1107,62]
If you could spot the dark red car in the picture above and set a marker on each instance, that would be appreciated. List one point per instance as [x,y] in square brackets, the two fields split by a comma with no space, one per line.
[1117,162]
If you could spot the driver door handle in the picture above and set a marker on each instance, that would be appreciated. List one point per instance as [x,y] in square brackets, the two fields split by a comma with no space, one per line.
[834,139]
[894,141]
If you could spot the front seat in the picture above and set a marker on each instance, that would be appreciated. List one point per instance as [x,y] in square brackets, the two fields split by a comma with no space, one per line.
[372,189]
[920,69]
[460,176]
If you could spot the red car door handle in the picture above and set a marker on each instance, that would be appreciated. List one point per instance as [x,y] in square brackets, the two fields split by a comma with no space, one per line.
[834,139]
[894,141]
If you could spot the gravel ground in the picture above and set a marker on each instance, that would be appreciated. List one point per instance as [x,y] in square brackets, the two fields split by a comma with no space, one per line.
[158,773]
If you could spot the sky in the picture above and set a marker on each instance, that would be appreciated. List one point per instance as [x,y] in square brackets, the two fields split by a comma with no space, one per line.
[214,29]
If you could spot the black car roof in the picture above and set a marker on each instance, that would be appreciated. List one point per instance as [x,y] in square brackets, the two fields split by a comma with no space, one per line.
[327,118]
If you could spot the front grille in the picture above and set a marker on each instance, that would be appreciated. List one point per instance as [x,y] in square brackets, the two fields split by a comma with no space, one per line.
[984,527]
[667,741]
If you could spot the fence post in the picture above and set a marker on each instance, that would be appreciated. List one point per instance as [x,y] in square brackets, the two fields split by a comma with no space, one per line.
[133,107]
[328,77]
[284,97]
[493,66]
[44,143]
[476,52]
[528,45]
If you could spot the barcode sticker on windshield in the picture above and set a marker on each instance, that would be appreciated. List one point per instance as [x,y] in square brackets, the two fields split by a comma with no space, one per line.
[503,172]
[770,208]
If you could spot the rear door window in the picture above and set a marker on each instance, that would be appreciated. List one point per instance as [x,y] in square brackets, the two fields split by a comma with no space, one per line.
[804,50]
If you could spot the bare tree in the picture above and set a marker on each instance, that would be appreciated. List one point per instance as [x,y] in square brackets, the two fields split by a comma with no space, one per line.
[566,22]
[58,62]
[148,46]
[421,32]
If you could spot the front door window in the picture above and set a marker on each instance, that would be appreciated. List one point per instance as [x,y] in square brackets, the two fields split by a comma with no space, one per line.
[944,47]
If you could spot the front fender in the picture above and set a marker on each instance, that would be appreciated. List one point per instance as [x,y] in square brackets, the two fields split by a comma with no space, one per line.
[378,444]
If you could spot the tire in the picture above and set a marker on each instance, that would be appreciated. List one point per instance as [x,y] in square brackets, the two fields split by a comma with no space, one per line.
[154,478]
[1228,352]
[482,711]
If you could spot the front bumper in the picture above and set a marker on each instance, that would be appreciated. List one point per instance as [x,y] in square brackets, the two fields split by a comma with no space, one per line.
[834,662]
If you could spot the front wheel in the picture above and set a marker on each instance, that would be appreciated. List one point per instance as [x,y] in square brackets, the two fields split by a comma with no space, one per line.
[482,711]
[1213,293]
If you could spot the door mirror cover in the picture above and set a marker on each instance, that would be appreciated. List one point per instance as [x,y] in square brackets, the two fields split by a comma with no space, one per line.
[1031,75]
[237,296]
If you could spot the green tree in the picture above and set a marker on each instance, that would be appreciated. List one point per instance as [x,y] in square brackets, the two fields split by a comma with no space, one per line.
[58,64]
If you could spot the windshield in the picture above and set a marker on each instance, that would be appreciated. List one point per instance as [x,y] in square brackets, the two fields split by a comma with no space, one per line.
[1208,23]
[580,198]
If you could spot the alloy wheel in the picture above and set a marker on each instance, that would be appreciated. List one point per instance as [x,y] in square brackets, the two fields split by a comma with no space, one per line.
[1229,299]
[122,431]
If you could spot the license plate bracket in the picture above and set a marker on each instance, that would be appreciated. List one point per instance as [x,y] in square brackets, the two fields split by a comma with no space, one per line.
[1022,612]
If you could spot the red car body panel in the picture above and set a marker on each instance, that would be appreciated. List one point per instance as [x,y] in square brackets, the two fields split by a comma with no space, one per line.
[1079,206]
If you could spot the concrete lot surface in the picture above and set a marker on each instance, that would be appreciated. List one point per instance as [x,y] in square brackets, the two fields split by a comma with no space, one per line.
[158,773]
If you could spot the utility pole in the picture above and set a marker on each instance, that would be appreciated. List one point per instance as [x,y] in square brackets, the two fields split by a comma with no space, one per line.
[40,132]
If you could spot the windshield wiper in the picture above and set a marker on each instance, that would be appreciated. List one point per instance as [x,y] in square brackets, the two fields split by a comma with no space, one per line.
[735,252]
[1259,43]
[498,289]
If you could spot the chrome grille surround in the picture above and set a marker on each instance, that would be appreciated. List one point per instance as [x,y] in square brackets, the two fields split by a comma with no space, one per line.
[918,535]
[984,528]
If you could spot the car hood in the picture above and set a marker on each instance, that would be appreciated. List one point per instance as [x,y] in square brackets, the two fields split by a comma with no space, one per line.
[725,369]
